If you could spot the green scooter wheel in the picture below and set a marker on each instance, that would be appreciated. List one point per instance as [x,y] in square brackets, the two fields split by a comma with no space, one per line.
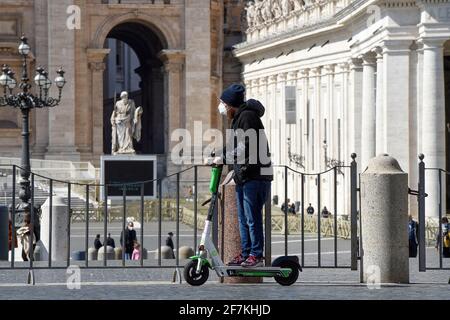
[293,276]
[192,277]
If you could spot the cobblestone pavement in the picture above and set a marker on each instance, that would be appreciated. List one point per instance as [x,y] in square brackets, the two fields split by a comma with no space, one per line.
[156,284]
[216,291]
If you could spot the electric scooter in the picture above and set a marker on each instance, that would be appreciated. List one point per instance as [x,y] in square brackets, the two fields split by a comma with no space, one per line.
[284,270]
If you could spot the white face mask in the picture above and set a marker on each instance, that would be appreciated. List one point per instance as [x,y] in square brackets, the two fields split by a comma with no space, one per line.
[222,108]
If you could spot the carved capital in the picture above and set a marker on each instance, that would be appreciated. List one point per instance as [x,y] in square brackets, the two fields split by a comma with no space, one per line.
[304,73]
[282,77]
[97,55]
[343,66]
[329,69]
[173,60]
[272,79]
[97,66]
[368,58]
[315,72]
[263,81]
[355,63]
[378,51]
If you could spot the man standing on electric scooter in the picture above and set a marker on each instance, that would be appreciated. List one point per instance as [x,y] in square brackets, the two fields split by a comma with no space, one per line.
[252,167]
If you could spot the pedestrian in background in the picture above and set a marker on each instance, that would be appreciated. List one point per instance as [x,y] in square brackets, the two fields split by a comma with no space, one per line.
[110,241]
[169,243]
[292,208]
[325,213]
[310,210]
[285,207]
[97,243]
[444,238]
[136,252]
[127,238]
[413,237]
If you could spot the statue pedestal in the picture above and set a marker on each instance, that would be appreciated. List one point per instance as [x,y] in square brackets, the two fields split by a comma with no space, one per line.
[123,169]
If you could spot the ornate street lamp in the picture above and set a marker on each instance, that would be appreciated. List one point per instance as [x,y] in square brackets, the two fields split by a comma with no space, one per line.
[293,157]
[25,101]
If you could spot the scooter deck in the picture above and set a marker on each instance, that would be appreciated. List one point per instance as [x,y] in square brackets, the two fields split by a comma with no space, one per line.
[234,271]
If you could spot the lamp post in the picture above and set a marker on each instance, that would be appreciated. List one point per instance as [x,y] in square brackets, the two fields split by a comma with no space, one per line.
[25,101]
[330,162]
[293,157]
[325,148]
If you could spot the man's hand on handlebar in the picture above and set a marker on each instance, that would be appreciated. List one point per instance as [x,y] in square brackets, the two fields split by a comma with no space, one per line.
[213,161]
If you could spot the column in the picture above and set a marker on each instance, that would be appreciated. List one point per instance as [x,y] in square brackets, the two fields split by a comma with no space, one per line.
[282,150]
[280,138]
[315,114]
[197,39]
[344,153]
[271,112]
[41,51]
[329,113]
[304,74]
[61,52]
[305,135]
[419,92]
[355,102]
[293,128]
[396,102]
[255,89]
[368,133]
[263,98]
[379,128]
[433,121]
[173,66]
[97,66]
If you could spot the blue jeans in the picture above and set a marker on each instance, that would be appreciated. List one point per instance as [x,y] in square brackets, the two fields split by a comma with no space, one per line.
[250,199]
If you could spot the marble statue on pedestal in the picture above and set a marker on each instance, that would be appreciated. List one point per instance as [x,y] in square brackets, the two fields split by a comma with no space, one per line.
[126,125]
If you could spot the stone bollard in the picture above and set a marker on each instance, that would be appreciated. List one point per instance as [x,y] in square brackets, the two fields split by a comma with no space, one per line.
[4,233]
[145,253]
[384,213]
[166,253]
[78,255]
[186,253]
[109,253]
[118,253]
[37,253]
[92,254]
[229,228]
[60,221]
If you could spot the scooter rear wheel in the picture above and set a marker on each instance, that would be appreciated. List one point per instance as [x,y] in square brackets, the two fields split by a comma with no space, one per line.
[192,277]
[293,276]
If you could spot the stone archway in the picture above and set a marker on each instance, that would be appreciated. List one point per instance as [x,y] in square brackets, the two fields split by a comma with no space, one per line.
[159,26]
[150,94]
[173,72]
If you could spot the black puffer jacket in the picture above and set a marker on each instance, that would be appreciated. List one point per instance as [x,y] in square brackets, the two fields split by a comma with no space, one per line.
[252,164]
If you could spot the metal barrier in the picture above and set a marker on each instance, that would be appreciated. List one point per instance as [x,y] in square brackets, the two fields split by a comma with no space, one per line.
[424,225]
[354,239]
[174,207]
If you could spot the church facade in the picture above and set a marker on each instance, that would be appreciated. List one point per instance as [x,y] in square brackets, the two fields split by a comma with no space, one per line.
[178,70]
[351,76]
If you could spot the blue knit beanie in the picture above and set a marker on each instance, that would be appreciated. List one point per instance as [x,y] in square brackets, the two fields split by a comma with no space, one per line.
[234,95]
